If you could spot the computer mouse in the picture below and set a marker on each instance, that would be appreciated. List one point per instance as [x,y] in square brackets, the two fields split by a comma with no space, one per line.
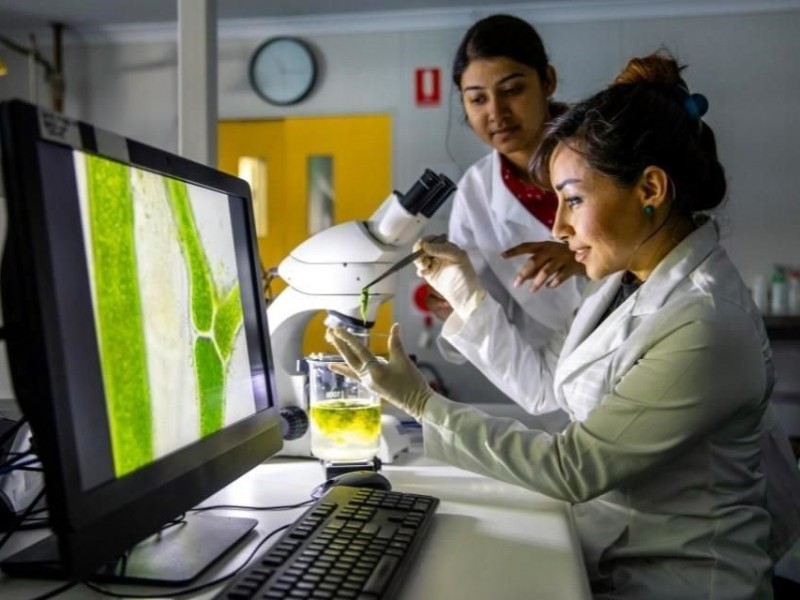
[365,479]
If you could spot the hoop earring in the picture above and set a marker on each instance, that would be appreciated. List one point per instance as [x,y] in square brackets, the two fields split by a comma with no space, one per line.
[649,210]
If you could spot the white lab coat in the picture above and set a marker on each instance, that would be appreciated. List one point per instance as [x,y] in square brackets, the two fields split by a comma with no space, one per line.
[673,461]
[487,219]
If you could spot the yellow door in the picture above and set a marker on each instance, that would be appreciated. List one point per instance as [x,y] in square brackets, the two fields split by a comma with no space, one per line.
[359,148]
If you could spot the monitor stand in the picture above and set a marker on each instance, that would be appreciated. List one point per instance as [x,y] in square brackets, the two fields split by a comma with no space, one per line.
[174,557]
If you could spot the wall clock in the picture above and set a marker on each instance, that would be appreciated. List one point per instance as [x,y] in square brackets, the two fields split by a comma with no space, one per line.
[283,70]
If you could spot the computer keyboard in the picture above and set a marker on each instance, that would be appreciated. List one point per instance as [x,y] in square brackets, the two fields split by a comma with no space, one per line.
[352,543]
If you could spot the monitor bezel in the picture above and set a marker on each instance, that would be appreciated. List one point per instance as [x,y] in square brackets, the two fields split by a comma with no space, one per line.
[94,526]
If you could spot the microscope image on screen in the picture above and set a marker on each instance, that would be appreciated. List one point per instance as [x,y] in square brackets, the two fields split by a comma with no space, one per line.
[167,309]
[137,344]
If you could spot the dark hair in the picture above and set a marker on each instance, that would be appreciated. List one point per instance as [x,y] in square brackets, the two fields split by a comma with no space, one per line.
[638,121]
[501,36]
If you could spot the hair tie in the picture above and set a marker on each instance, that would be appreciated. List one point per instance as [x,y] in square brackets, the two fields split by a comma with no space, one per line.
[696,105]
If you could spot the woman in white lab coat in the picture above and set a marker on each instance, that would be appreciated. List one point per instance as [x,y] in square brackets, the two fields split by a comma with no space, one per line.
[682,484]
[506,82]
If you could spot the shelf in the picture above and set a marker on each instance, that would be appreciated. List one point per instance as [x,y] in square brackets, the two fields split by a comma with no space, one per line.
[782,327]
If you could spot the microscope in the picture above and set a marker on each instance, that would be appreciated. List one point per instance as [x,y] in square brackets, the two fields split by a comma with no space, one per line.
[328,272]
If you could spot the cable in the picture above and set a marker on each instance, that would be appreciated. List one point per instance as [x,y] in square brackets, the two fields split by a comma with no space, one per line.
[21,519]
[238,507]
[16,458]
[13,466]
[31,469]
[57,591]
[177,521]
[33,524]
[185,592]
[38,510]
[12,431]
[218,580]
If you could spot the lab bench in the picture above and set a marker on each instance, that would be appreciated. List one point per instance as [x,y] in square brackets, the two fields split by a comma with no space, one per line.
[488,540]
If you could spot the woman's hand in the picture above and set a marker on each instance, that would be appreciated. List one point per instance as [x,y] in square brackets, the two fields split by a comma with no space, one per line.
[447,269]
[437,304]
[398,381]
[550,264]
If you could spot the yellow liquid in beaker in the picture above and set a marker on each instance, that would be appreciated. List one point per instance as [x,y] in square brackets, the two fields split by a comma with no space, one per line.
[345,429]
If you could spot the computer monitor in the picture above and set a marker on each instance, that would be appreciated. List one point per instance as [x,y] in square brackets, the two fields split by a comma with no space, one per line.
[137,341]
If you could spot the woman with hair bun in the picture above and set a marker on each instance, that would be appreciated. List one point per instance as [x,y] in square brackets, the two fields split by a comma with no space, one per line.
[682,484]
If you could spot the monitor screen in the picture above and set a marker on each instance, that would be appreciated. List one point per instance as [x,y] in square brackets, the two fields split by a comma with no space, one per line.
[136,332]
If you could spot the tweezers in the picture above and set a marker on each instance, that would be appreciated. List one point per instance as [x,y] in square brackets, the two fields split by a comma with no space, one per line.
[407,260]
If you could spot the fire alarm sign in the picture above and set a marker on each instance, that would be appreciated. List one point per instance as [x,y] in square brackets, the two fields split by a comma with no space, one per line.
[428,86]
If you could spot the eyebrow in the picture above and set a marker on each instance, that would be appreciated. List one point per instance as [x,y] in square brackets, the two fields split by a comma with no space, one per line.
[564,183]
[500,82]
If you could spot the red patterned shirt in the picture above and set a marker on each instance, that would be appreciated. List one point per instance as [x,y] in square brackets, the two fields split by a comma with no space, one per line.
[540,203]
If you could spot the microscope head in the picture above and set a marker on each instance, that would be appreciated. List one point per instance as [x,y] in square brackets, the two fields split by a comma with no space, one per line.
[328,272]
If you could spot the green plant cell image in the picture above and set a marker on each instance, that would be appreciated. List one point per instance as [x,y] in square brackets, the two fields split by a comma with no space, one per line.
[173,354]
[118,314]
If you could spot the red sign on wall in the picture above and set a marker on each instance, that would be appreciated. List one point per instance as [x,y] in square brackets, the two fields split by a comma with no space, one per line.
[428,86]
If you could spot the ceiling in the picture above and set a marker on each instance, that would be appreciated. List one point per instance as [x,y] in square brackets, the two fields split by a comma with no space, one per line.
[90,14]
[24,17]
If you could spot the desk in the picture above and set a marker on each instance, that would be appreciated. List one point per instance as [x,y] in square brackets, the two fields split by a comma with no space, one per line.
[488,540]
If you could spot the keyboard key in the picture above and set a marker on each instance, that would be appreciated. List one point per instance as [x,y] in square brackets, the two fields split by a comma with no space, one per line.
[380,576]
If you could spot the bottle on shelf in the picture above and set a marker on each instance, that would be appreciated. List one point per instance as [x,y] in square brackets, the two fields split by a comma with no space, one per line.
[760,292]
[779,299]
[793,292]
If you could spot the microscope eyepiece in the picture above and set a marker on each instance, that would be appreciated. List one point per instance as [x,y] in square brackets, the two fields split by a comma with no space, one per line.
[417,196]
[438,195]
[401,218]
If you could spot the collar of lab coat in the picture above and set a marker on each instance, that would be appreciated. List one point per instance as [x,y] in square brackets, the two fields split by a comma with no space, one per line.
[509,211]
[588,342]
[676,267]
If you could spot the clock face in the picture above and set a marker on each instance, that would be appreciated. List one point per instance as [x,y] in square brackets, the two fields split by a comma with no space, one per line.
[283,70]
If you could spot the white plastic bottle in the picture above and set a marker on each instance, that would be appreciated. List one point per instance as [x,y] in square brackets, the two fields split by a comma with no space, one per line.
[779,298]
[793,292]
[760,292]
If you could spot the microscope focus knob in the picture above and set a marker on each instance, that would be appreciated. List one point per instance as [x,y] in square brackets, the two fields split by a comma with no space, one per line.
[294,422]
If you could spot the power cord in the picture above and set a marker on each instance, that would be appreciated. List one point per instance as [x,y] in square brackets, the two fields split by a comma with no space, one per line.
[59,590]
[9,433]
[14,465]
[238,507]
[21,519]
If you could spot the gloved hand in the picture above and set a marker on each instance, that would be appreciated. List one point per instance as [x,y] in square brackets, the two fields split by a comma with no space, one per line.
[447,268]
[397,381]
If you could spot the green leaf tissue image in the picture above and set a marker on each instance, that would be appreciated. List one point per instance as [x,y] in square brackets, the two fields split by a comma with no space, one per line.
[167,306]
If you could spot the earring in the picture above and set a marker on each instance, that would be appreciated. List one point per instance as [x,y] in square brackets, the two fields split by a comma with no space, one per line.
[649,210]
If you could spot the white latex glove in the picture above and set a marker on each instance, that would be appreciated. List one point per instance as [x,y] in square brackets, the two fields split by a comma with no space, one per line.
[447,269]
[397,381]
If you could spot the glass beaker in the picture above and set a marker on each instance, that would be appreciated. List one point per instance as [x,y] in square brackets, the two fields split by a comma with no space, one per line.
[345,417]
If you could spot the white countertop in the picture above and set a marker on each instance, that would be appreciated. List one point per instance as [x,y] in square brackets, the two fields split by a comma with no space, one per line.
[488,539]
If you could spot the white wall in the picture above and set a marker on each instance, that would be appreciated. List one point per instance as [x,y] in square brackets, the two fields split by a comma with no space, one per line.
[746,64]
